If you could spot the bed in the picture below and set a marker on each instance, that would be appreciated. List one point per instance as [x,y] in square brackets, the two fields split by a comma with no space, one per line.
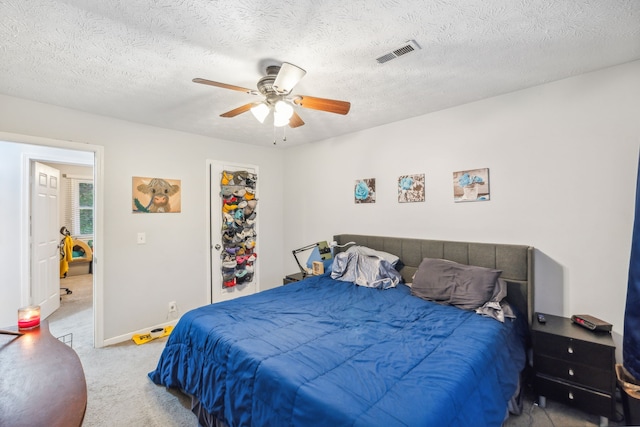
[328,352]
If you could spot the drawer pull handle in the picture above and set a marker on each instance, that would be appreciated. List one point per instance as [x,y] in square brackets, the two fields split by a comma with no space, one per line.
[571,372]
[570,350]
[570,396]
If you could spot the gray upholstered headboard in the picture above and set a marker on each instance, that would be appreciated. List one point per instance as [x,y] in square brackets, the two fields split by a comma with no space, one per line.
[515,261]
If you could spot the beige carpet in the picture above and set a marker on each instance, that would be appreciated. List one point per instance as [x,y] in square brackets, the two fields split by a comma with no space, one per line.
[553,415]
[120,393]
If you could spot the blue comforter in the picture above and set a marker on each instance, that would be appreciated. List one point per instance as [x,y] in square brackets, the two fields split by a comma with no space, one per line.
[323,352]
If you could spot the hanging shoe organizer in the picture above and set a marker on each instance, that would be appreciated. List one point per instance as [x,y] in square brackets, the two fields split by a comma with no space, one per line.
[239,202]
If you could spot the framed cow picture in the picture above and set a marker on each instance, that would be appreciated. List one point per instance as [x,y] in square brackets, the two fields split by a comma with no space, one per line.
[156,195]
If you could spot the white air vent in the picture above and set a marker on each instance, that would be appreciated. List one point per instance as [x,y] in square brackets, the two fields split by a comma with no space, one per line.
[408,47]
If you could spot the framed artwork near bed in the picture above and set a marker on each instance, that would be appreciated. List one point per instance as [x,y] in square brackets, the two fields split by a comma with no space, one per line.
[471,185]
[411,188]
[365,190]
[156,195]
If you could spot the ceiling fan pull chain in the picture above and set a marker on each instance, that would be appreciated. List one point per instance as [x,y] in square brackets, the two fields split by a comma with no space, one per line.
[284,133]
[274,134]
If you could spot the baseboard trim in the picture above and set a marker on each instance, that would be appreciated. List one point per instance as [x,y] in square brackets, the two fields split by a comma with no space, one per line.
[128,336]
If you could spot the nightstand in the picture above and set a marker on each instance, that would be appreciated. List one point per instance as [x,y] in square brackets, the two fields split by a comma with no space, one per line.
[575,366]
[290,278]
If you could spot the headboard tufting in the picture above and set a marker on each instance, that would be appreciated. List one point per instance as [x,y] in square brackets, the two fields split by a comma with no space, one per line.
[515,261]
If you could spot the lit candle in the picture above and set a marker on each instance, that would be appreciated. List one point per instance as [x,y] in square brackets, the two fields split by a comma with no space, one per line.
[29,317]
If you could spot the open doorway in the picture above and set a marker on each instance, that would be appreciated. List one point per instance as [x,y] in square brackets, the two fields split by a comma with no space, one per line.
[18,152]
[75,233]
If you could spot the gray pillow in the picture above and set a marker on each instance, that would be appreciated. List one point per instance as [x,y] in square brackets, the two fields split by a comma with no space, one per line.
[364,250]
[447,282]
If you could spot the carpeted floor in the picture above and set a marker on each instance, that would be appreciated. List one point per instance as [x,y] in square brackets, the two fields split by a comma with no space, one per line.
[553,415]
[121,394]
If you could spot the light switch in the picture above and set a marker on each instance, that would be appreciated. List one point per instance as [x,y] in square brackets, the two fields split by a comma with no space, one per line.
[142,238]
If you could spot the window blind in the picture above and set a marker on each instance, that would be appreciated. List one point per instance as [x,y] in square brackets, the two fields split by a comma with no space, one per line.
[78,216]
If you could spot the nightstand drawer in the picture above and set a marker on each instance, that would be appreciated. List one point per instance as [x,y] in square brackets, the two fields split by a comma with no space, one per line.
[292,278]
[574,365]
[575,350]
[588,400]
[585,375]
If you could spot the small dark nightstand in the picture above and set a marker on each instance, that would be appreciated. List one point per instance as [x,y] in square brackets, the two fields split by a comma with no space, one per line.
[575,366]
[290,278]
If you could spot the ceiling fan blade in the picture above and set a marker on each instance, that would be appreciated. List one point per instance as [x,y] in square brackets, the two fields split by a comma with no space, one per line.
[295,120]
[225,86]
[237,111]
[323,104]
[288,76]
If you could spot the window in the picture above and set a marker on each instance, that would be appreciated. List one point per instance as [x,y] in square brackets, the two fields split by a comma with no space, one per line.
[81,207]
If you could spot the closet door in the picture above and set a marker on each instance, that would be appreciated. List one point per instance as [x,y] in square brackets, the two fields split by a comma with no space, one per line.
[234,230]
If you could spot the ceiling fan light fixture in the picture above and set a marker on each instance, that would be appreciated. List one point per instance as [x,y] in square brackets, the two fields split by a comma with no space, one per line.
[288,76]
[284,108]
[280,119]
[276,88]
[260,111]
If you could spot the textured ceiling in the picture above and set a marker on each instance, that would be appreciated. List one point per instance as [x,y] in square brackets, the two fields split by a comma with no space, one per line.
[135,60]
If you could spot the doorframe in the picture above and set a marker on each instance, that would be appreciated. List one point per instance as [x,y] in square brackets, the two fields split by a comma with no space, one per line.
[209,242]
[98,211]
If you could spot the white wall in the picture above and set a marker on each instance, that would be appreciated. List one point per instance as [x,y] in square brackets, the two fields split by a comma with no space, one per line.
[562,157]
[140,280]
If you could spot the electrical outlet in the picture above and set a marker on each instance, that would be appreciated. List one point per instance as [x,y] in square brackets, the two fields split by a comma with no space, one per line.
[173,307]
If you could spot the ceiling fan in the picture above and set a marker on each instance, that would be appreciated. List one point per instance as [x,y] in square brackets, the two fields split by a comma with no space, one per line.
[276,88]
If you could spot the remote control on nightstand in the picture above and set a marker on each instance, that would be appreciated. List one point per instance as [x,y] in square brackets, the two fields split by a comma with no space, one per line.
[541,318]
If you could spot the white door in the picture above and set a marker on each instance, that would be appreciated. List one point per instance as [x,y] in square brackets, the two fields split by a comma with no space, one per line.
[45,253]
[242,236]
